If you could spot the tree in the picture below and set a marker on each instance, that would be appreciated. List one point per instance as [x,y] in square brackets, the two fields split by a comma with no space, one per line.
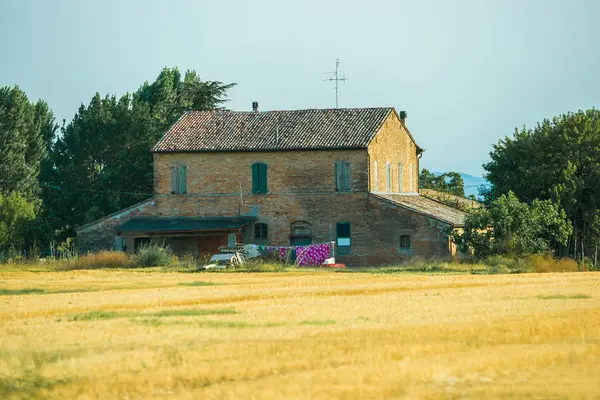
[510,227]
[26,132]
[102,161]
[450,182]
[558,160]
[15,213]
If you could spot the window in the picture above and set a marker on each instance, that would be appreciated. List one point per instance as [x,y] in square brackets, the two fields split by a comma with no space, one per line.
[119,243]
[405,242]
[343,238]
[261,231]
[300,233]
[178,179]
[231,240]
[342,176]
[400,178]
[388,177]
[411,177]
[376,183]
[259,178]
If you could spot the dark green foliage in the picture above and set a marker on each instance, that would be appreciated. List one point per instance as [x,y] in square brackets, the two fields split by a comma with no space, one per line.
[102,162]
[16,212]
[558,160]
[450,182]
[510,227]
[26,133]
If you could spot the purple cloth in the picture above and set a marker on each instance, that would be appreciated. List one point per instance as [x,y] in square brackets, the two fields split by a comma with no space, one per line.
[315,254]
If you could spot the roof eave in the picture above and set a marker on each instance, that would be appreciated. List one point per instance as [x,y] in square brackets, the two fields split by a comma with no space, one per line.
[260,150]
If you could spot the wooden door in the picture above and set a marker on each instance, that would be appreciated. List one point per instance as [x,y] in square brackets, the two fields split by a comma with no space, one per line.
[210,244]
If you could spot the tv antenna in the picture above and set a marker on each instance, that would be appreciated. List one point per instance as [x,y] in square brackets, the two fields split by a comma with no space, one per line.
[336,79]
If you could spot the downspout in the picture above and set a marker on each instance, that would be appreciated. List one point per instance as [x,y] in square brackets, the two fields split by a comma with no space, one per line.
[419,155]
[368,172]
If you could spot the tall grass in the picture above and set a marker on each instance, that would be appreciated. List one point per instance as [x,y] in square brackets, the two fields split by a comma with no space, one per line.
[549,264]
[301,335]
[103,259]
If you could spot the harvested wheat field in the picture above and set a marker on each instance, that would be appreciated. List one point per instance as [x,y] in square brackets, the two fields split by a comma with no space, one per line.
[311,334]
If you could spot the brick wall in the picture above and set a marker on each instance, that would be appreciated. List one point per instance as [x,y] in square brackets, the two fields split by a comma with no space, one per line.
[288,172]
[376,225]
[393,144]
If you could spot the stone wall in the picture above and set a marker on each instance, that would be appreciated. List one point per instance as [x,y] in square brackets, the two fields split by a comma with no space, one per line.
[100,234]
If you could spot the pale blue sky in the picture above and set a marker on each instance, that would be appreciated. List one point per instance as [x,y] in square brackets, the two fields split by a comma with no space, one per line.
[467,71]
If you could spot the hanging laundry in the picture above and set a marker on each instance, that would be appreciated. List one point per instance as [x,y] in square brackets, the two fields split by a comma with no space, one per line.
[314,254]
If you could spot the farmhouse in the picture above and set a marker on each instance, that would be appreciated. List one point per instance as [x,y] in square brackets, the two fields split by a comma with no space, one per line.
[281,178]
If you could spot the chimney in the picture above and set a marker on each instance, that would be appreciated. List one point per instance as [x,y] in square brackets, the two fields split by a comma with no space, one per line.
[403,116]
[255,106]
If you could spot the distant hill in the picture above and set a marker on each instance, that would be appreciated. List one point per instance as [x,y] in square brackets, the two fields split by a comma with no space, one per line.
[472,183]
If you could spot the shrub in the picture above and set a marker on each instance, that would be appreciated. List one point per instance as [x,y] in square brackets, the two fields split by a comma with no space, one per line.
[510,227]
[507,265]
[549,264]
[103,259]
[154,255]
[536,263]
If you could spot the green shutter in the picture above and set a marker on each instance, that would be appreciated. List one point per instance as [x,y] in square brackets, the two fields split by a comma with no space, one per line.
[346,176]
[338,176]
[343,232]
[182,179]
[262,178]
[254,178]
[173,179]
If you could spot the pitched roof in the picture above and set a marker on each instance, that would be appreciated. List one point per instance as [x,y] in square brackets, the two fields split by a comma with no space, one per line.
[184,224]
[211,131]
[428,207]
[462,203]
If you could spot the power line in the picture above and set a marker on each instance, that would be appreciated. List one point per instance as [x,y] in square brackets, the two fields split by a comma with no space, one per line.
[95,190]
[63,188]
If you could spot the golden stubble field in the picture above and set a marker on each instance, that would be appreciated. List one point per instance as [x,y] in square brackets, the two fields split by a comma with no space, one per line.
[313,334]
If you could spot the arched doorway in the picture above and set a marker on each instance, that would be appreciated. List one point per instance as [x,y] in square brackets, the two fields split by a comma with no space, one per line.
[300,233]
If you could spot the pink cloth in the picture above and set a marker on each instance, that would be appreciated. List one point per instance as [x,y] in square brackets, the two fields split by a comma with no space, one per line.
[315,254]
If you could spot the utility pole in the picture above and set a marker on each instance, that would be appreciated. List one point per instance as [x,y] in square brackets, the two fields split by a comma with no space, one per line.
[336,79]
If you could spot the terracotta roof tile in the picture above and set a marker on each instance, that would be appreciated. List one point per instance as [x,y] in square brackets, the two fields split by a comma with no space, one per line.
[425,206]
[211,131]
